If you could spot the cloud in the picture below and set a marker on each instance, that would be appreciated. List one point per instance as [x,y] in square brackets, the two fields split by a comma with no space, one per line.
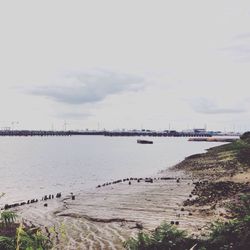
[89,87]
[240,52]
[207,106]
[240,49]
[243,36]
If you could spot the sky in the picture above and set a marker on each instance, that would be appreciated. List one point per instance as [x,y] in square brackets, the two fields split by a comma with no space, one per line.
[125,64]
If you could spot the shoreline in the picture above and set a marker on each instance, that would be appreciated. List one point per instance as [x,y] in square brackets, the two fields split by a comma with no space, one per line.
[113,213]
[107,216]
[42,176]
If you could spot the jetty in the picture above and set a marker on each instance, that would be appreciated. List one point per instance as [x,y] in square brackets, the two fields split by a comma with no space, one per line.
[168,133]
[212,139]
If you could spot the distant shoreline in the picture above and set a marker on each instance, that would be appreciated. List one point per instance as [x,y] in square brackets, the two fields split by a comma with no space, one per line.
[167,133]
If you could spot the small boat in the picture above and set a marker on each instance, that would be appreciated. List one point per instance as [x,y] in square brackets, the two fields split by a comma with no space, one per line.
[144,142]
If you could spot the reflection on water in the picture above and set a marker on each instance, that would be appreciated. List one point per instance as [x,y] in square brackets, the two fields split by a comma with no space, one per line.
[34,166]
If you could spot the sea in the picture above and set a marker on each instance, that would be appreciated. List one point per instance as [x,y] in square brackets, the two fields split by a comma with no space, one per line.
[31,167]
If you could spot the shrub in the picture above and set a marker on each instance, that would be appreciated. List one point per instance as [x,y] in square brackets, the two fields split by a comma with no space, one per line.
[14,236]
[8,217]
[241,207]
[165,236]
[26,239]
[233,235]
[245,136]
[7,243]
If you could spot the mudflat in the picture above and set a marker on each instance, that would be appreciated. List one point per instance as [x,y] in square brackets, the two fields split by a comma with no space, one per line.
[104,217]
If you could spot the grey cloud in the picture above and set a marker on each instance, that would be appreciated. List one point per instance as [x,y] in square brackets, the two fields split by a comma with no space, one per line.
[239,52]
[240,48]
[81,88]
[206,106]
[243,36]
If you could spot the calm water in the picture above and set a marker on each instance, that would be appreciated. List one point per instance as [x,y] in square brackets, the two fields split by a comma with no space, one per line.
[34,166]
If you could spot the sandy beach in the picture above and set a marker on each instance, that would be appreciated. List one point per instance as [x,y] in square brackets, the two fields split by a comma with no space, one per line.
[105,217]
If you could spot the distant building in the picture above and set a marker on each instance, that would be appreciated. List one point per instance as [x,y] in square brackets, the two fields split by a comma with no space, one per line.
[199,130]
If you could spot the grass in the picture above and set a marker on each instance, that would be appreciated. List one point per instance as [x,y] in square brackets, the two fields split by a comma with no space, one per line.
[239,150]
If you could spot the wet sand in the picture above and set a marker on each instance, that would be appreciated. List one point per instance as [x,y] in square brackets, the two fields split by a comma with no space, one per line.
[105,217]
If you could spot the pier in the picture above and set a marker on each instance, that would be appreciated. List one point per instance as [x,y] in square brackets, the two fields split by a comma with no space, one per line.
[156,134]
[102,133]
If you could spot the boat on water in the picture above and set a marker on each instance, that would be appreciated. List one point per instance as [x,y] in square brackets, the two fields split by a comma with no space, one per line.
[144,142]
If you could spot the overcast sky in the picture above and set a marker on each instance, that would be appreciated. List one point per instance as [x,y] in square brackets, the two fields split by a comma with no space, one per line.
[125,64]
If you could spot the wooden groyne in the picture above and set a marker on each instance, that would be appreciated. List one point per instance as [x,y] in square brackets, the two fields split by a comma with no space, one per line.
[44,198]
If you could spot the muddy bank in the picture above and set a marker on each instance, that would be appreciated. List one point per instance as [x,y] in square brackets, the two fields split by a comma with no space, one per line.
[213,192]
[222,174]
[105,217]
[218,162]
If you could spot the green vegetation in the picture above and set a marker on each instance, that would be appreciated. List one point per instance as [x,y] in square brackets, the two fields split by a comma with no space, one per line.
[28,240]
[16,236]
[8,218]
[240,149]
[165,236]
[234,234]
[221,161]
[246,137]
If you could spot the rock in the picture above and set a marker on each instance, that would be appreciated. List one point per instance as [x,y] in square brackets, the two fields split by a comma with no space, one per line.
[150,180]
[7,206]
[58,195]
[139,225]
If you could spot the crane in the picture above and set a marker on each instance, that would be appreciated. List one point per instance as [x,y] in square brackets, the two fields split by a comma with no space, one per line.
[65,125]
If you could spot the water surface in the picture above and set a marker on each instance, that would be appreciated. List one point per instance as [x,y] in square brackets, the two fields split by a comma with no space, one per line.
[31,167]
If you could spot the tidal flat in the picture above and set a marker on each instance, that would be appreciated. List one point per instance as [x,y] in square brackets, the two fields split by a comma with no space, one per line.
[191,195]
